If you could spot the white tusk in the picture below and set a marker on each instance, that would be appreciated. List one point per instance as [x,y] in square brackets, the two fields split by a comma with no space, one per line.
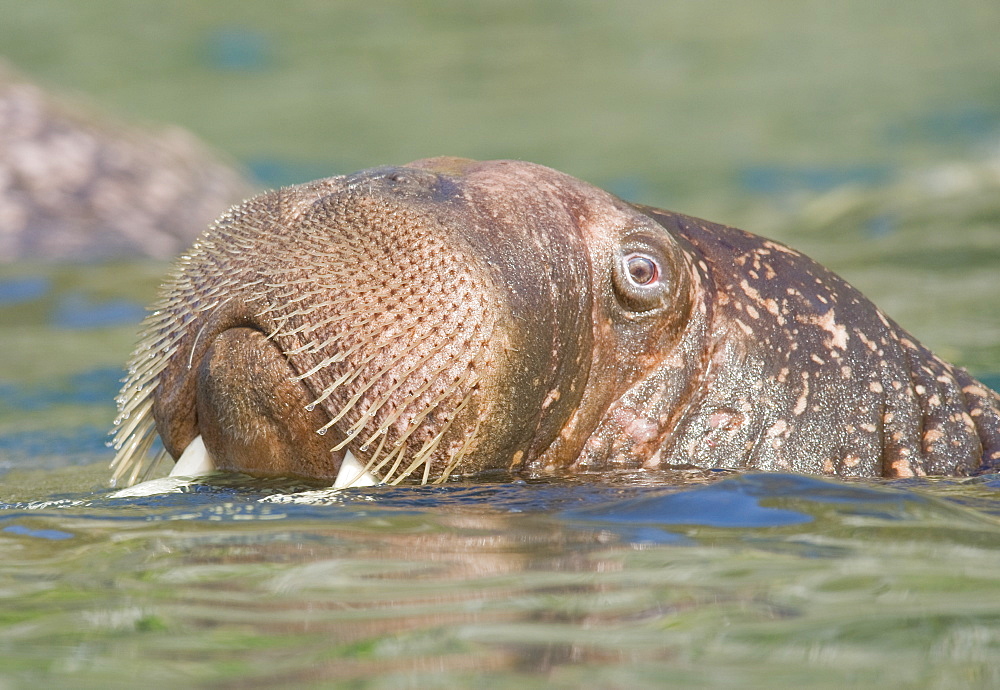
[195,461]
[352,473]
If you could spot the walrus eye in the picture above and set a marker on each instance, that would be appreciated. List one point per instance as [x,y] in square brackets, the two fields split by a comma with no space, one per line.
[641,269]
[641,274]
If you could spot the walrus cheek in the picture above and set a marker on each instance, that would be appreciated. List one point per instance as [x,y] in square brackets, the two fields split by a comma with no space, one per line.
[252,415]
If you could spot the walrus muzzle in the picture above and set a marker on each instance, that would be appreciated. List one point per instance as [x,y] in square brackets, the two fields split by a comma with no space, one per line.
[390,313]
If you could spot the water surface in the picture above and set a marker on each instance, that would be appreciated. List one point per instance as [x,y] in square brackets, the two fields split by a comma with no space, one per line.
[865,134]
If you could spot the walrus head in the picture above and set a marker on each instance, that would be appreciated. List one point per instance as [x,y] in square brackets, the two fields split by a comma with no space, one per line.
[432,319]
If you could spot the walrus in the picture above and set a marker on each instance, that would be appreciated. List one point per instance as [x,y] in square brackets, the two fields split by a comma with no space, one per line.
[79,184]
[451,317]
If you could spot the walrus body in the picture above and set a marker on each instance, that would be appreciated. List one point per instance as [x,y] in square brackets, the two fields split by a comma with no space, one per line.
[451,317]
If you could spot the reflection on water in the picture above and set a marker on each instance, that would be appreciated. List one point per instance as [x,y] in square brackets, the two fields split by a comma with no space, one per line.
[714,579]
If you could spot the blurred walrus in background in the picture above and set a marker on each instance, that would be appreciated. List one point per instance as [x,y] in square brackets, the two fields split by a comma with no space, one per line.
[78,185]
[451,317]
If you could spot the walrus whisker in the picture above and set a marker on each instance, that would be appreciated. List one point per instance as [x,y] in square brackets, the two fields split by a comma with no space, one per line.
[342,317]
[137,417]
[455,459]
[311,346]
[128,456]
[153,464]
[354,328]
[194,345]
[332,359]
[340,356]
[423,456]
[397,452]
[413,396]
[141,452]
[375,453]
[415,423]
[358,426]
[348,376]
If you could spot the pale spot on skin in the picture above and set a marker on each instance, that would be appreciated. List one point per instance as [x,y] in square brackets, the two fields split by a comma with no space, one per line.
[746,329]
[920,389]
[779,428]
[552,397]
[875,387]
[516,460]
[852,461]
[973,389]
[816,358]
[870,344]
[901,468]
[779,248]
[750,291]
[725,420]
[641,430]
[754,314]
[828,322]
[800,404]
[870,428]
[932,436]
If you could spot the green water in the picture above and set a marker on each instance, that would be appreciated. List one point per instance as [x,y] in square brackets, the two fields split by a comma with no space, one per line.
[741,582]
[865,134]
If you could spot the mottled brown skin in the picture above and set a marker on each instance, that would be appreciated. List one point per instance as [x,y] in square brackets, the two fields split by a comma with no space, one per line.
[451,317]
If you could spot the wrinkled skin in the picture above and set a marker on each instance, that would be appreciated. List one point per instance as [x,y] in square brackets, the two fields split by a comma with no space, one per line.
[450,317]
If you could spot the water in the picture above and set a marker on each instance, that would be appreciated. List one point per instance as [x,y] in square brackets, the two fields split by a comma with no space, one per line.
[713,579]
[865,134]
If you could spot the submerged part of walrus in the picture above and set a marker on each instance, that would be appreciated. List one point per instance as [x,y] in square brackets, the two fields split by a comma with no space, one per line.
[451,316]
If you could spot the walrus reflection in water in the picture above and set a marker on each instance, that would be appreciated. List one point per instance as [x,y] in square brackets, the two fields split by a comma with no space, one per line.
[450,317]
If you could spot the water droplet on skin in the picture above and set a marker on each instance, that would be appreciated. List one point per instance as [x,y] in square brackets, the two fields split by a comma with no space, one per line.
[321,432]
[310,407]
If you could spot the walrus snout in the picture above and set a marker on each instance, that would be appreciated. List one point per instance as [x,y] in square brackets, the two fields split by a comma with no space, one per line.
[382,313]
